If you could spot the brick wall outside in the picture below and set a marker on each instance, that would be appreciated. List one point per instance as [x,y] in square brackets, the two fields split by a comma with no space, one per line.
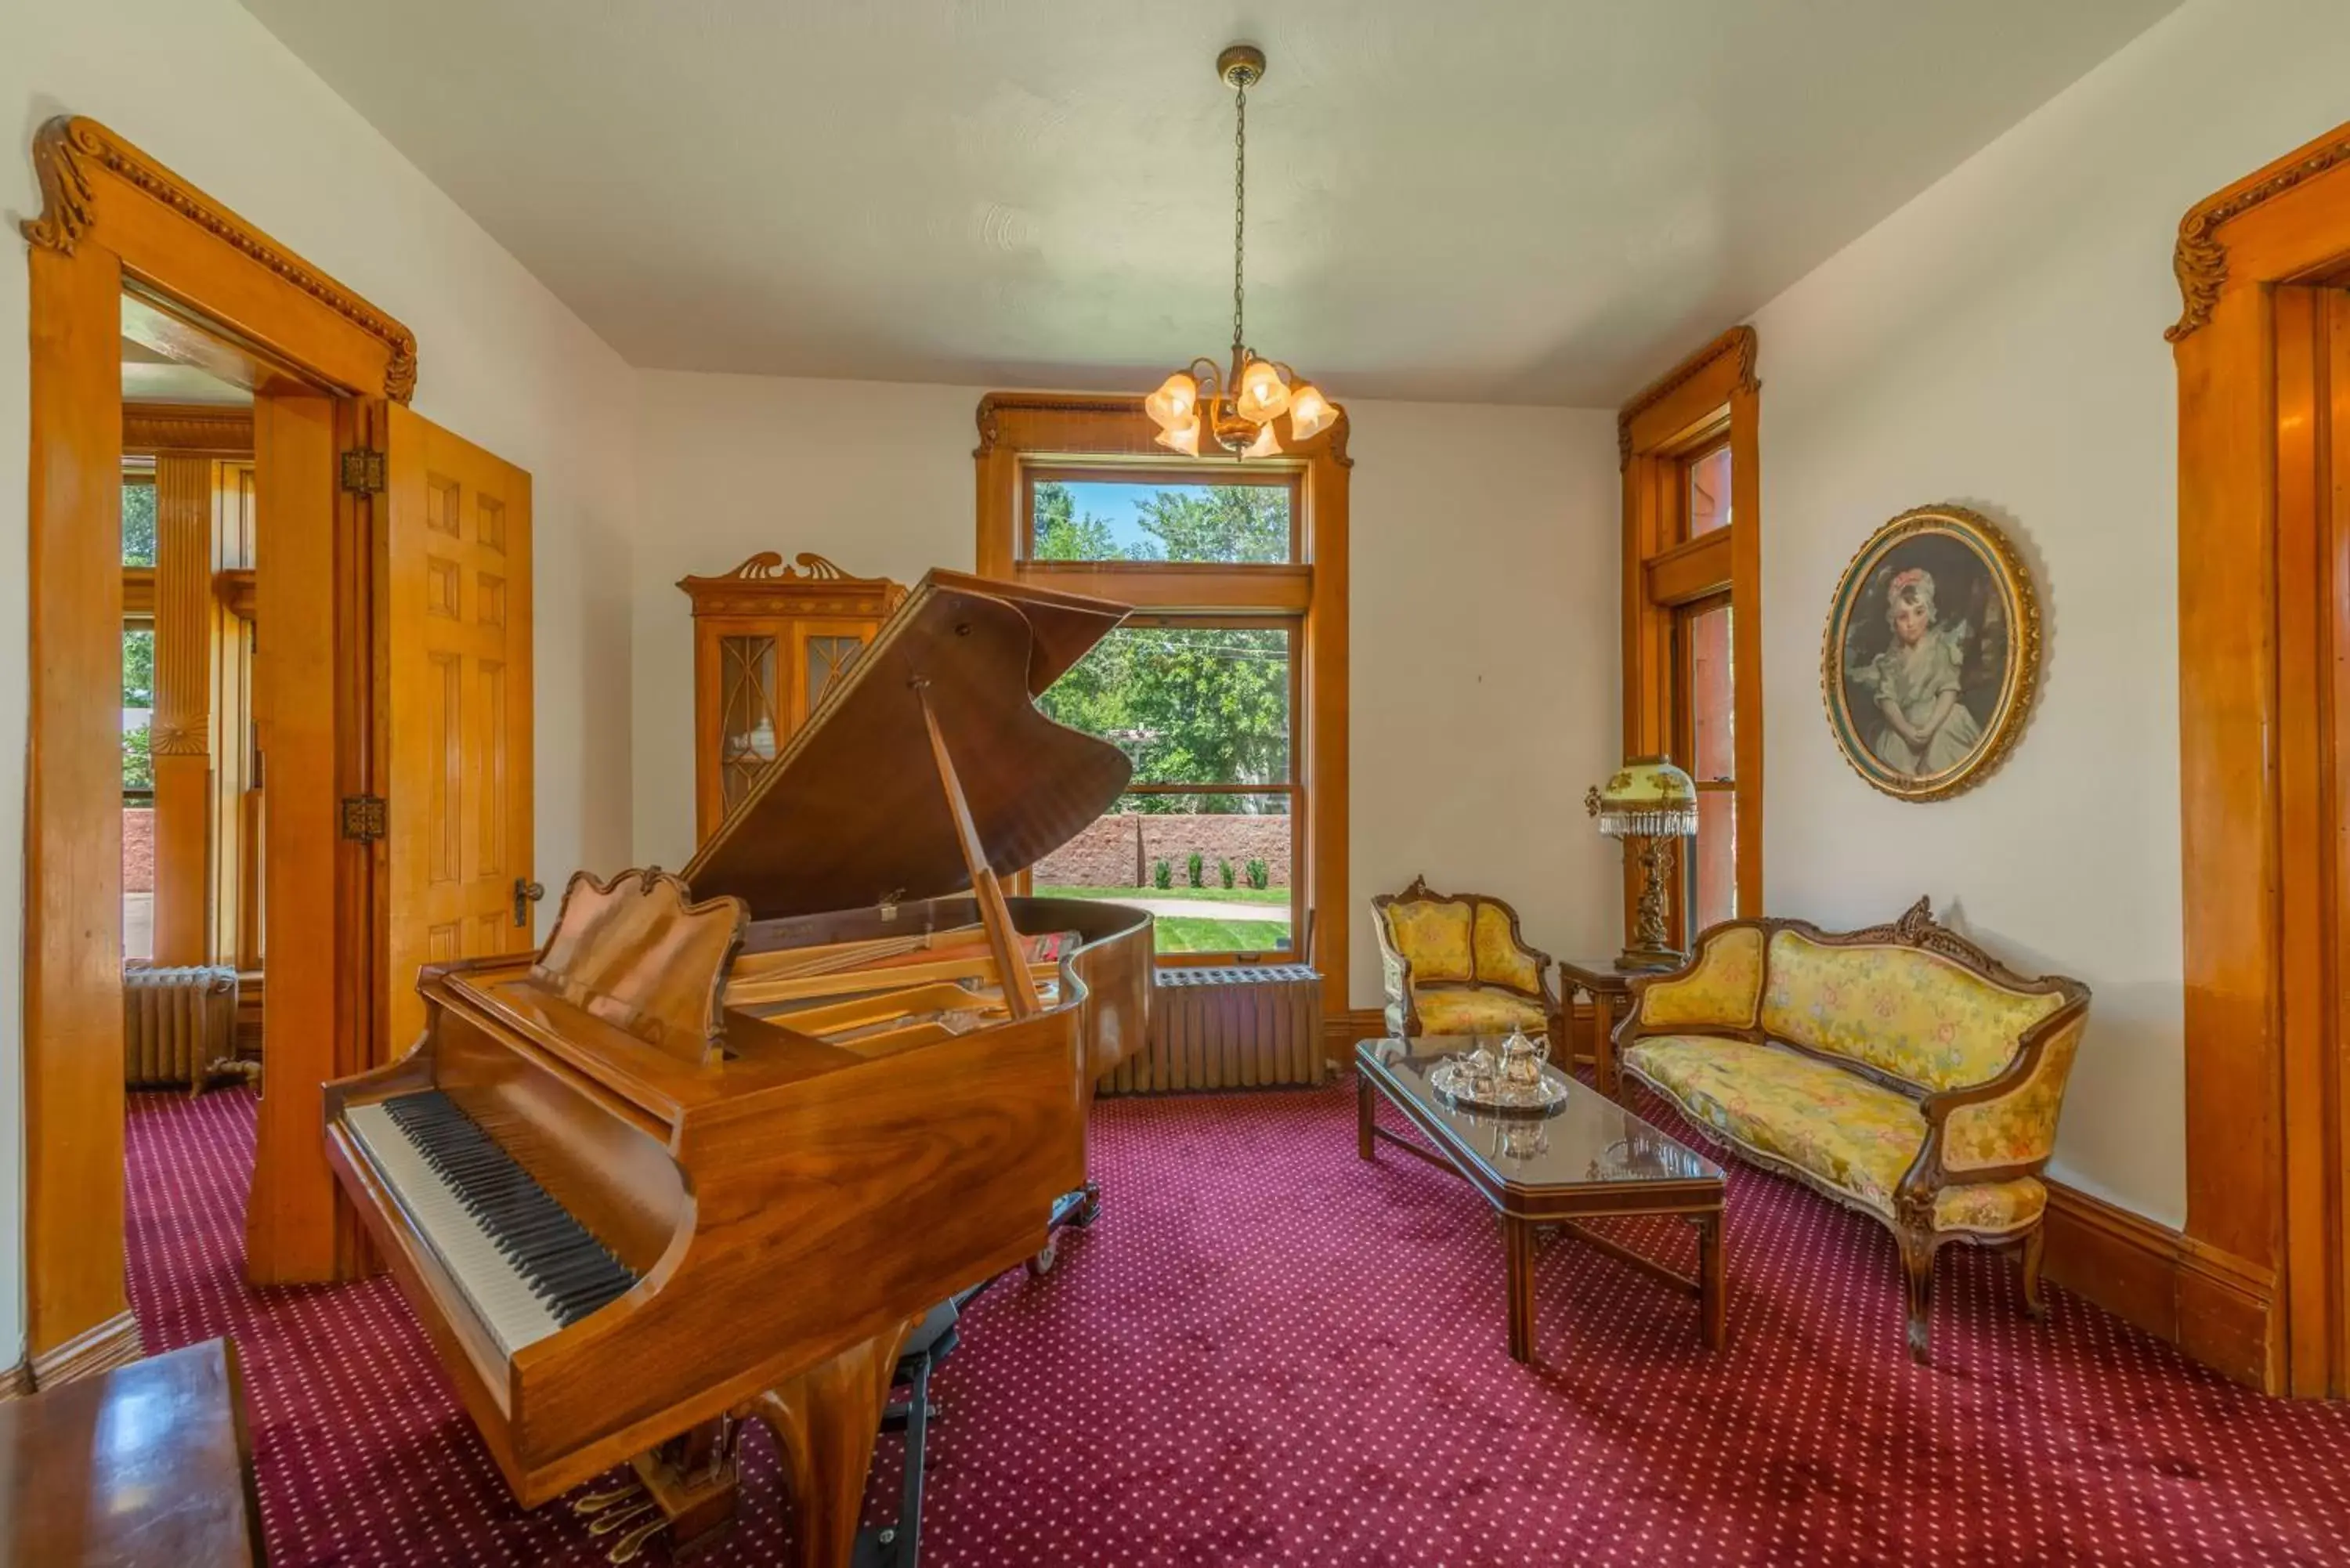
[1103,856]
[137,849]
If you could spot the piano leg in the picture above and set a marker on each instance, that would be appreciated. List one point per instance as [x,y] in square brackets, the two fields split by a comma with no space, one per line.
[825,1422]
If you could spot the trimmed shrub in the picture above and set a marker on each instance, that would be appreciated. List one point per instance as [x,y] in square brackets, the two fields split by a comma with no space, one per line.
[1162,875]
[1194,869]
[1258,876]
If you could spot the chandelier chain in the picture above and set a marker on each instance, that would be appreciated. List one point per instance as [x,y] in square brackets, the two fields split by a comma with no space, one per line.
[1240,206]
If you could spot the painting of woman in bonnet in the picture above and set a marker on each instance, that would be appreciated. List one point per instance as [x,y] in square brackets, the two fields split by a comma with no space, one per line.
[1932,653]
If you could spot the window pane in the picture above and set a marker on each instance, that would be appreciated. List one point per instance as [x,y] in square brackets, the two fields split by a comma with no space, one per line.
[1213,869]
[1713,859]
[1190,704]
[138,793]
[1144,520]
[139,523]
[1713,709]
[1708,492]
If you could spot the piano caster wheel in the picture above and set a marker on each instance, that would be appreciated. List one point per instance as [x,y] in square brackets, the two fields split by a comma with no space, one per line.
[1042,1262]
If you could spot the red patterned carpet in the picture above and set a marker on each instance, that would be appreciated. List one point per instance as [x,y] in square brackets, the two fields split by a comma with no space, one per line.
[1267,1351]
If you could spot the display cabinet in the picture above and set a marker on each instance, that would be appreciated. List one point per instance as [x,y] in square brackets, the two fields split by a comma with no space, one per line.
[768,639]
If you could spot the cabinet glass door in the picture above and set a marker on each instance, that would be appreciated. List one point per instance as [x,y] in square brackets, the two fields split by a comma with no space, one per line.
[823,650]
[747,715]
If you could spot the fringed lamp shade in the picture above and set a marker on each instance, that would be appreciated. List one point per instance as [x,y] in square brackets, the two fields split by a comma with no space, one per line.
[1647,798]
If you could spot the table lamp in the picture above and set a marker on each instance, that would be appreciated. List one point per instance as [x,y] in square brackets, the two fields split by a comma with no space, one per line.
[1652,801]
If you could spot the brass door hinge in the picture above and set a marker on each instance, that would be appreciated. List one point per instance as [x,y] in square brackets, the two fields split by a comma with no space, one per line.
[366,817]
[363,470]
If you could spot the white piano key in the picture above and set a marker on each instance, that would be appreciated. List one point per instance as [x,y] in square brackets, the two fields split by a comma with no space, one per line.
[497,1291]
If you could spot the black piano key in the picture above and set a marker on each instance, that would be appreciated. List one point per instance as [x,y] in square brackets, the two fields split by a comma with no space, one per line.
[559,1258]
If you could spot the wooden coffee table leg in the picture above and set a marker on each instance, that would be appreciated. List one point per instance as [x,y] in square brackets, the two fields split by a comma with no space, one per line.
[1363,1113]
[1518,1251]
[1712,1302]
[1603,1044]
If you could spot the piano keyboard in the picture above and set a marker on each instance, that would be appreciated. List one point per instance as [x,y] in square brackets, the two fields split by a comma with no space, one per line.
[527,1266]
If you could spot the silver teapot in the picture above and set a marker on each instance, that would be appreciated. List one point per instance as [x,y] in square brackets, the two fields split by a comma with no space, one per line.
[1518,1064]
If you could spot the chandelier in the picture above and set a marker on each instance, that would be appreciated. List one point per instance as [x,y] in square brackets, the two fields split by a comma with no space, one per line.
[1237,408]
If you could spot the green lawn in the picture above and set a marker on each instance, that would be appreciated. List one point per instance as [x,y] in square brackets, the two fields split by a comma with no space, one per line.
[1206,895]
[1183,934]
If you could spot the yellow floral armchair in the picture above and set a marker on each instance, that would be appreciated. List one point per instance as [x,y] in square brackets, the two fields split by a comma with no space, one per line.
[1455,964]
[1900,1070]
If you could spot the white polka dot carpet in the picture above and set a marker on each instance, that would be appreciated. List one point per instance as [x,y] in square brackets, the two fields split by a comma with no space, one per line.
[1269,1351]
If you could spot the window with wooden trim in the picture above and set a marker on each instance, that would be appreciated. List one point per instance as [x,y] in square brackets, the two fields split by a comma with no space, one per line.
[1226,686]
[1204,701]
[1692,615]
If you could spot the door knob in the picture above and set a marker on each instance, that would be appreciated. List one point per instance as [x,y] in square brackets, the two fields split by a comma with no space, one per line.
[526,893]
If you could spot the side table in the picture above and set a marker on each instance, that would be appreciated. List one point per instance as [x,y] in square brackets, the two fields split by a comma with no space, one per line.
[1610,989]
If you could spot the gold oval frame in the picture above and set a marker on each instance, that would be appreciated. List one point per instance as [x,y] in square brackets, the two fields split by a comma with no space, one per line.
[2020,685]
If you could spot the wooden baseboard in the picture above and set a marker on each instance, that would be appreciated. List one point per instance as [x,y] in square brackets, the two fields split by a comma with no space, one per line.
[2217,1308]
[17,1381]
[114,1343]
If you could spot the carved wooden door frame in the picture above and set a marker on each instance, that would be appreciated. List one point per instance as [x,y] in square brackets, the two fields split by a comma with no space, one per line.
[114,220]
[2259,1289]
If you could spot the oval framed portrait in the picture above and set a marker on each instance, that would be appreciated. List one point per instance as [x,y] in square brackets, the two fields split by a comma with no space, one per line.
[1932,653]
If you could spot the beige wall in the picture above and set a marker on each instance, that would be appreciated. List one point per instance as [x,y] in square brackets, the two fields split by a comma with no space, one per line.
[1484,609]
[201,87]
[1998,343]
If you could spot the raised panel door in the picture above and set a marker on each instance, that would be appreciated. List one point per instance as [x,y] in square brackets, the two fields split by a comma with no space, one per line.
[458,708]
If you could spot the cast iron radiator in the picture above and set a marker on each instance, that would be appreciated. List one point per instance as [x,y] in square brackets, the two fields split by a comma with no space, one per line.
[176,1023]
[1238,1027]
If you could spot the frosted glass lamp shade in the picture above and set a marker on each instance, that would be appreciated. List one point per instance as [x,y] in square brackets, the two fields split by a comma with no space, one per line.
[1183,437]
[1310,412]
[1177,399]
[1262,395]
[1265,444]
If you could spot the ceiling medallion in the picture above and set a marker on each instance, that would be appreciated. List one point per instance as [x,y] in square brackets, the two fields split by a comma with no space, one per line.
[1237,409]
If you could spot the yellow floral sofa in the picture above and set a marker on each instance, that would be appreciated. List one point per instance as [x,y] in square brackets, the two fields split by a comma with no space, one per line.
[1899,1070]
[1455,964]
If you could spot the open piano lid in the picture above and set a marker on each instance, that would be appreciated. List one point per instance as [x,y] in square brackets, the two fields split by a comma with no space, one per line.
[853,812]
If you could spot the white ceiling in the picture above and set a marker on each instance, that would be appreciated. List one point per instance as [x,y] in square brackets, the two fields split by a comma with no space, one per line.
[1542,201]
[149,377]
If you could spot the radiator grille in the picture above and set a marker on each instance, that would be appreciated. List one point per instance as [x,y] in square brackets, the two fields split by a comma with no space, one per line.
[1242,1027]
[176,1023]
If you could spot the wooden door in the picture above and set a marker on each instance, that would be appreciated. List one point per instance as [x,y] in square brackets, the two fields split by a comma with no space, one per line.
[457,708]
[2312,575]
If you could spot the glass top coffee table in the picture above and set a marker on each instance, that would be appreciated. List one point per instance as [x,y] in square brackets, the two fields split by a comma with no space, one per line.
[1587,1157]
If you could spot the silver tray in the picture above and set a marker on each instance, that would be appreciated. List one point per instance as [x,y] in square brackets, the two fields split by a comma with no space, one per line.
[1452,1079]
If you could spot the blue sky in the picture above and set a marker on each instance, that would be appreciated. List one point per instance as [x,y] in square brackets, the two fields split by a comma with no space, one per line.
[1115,504]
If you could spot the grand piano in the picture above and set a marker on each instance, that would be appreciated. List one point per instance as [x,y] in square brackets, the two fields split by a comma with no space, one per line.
[714,1151]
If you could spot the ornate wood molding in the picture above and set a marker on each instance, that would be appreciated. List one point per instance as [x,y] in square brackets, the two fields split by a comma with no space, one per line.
[205,428]
[70,152]
[2200,260]
[993,406]
[1739,340]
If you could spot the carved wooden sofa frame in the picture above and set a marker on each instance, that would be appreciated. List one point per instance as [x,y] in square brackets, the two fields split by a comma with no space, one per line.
[1396,969]
[1929,1173]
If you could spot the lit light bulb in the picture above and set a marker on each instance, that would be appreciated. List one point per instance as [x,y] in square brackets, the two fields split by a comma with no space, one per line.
[1183,437]
[1262,395]
[1264,445]
[1310,412]
[1172,404]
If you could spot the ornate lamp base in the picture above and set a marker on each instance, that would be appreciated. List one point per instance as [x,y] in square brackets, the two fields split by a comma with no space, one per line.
[1650,948]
